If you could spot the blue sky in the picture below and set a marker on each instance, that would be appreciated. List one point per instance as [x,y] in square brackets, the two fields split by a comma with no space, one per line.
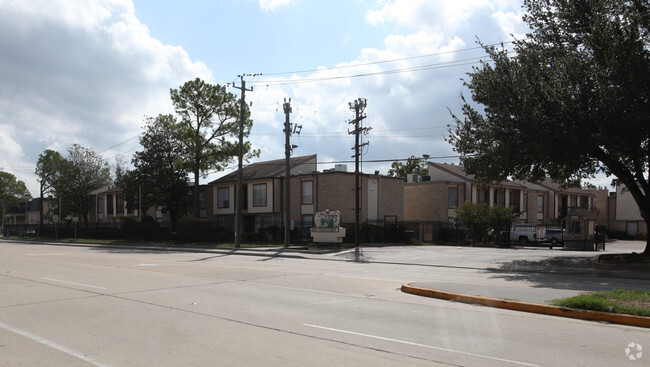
[235,37]
[90,71]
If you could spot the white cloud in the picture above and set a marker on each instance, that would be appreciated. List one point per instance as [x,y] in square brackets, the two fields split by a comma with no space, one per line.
[270,5]
[407,109]
[78,71]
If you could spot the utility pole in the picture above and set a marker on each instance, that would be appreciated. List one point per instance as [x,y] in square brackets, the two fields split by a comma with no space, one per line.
[288,148]
[238,191]
[358,107]
[287,171]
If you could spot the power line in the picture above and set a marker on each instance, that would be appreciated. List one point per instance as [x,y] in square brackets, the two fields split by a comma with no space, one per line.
[270,83]
[386,61]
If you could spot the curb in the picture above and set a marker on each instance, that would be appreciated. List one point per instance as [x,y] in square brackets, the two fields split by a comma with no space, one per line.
[639,321]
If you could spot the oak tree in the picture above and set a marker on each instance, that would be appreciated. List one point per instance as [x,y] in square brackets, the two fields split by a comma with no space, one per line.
[569,101]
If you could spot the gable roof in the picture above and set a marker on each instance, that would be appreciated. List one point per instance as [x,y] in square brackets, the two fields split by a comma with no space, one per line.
[554,186]
[459,172]
[268,169]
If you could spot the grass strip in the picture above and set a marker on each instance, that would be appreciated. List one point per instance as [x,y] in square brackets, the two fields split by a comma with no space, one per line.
[619,301]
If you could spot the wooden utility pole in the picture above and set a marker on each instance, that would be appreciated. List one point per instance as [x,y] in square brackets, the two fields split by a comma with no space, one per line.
[358,107]
[287,172]
[238,192]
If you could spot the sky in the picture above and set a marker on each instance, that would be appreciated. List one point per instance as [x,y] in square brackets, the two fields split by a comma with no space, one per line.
[89,72]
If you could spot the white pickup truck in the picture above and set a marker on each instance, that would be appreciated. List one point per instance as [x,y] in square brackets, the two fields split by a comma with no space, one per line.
[527,233]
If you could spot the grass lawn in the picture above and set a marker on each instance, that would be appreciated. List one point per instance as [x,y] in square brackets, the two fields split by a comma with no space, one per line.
[636,302]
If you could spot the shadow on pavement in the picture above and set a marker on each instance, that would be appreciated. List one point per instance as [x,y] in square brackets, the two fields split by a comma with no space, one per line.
[571,273]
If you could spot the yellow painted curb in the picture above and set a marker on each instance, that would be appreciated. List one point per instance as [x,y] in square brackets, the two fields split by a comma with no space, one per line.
[639,321]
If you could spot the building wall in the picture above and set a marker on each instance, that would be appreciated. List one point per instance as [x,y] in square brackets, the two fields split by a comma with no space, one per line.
[426,201]
[601,202]
[626,207]
[335,191]
[390,197]
[232,188]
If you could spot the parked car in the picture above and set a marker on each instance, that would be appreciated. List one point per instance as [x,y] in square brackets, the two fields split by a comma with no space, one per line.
[555,236]
[527,233]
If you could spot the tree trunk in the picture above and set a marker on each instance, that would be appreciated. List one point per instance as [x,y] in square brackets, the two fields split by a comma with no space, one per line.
[645,214]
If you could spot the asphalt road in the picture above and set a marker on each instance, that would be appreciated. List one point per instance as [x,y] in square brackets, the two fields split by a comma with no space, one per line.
[96,306]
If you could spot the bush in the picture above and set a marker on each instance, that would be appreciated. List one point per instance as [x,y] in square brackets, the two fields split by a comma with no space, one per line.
[619,235]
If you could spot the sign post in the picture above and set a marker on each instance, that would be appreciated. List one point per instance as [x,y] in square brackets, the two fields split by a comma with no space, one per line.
[327,227]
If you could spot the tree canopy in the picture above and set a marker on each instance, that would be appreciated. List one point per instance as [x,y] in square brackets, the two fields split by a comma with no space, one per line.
[159,176]
[81,172]
[209,116]
[49,168]
[570,100]
[12,191]
[413,165]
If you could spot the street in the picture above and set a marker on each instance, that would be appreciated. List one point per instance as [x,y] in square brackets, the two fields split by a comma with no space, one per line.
[103,306]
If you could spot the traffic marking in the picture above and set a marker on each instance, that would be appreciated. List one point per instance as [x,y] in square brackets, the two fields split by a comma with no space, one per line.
[421,345]
[54,345]
[73,283]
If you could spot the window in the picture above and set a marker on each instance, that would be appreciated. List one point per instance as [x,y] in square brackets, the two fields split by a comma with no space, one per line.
[119,204]
[525,202]
[100,205]
[307,220]
[259,194]
[540,203]
[202,200]
[223,197]
[109,205]
[307,192]
[453,197]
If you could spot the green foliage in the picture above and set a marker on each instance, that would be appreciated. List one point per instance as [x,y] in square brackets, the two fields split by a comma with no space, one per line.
[12,191]
[500,219]
[159,176]
[481,219]
[474,216]
[209,116]
[80,173]
[413,165]
[49,168]
[630,302]
[571,101]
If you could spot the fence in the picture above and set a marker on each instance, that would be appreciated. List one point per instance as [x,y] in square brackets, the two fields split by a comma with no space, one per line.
[388,230]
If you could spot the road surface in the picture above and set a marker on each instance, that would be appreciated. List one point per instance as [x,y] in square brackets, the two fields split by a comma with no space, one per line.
[97,306]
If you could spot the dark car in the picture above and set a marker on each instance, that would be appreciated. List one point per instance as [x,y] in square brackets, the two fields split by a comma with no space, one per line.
[555,236]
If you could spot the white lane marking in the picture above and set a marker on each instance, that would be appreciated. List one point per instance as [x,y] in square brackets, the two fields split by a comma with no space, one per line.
[45,254]
[54,345]
[149,264]
[421,345]
[73,283]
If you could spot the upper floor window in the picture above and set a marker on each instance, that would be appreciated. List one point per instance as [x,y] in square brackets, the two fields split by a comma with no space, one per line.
[223,197]
[453,197]
[540,203]
[307,192]
[259,194]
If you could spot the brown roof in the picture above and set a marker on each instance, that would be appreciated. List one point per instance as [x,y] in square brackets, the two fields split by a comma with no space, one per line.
[552,185]
[268,169]
[459,171]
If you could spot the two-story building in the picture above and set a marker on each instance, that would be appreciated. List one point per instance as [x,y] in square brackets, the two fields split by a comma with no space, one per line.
[310,191]
[435,197]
